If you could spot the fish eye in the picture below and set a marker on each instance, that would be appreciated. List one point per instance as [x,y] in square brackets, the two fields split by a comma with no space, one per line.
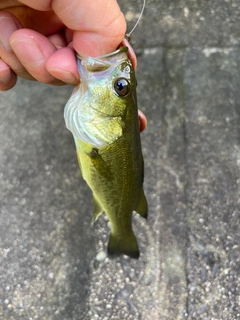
[122,87]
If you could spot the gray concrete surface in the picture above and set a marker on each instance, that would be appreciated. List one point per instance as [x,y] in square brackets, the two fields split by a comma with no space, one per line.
[52,263]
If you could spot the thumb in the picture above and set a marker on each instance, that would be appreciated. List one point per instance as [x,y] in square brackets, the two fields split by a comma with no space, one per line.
[98,27]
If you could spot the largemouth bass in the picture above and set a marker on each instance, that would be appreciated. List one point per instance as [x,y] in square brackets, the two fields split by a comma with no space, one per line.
[103,118]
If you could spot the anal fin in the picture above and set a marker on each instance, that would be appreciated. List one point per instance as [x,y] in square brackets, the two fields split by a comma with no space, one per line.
[142,207]
[97,211]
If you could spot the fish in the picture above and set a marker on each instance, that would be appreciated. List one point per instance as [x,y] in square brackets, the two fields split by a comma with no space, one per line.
[102,115]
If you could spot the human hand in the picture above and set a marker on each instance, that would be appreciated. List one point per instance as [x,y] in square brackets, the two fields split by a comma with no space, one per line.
[38,39]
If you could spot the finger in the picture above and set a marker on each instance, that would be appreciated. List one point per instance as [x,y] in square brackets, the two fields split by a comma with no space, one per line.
[32,50]
[131,53]
[43,22]
[98,28]
[8,25]
[43,5]
[142,121]
[58,39]
[7,77]
[62,65]
[69,35]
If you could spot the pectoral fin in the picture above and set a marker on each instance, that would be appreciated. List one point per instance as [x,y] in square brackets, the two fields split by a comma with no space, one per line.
[142,207]
[99,164]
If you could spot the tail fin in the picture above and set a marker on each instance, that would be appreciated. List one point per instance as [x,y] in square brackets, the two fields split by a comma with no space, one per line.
[118,245]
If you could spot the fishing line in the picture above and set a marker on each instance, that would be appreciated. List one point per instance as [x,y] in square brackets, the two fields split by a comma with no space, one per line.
[128,35]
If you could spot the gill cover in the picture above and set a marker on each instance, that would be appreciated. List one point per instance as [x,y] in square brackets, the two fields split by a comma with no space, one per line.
[93,113]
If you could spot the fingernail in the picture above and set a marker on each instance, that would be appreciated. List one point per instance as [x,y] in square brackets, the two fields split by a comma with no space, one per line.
[7,27]
[28,52]
[5,72]
[6,78]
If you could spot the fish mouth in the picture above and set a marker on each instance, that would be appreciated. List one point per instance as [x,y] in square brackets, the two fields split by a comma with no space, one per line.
[101,63]
[108,55]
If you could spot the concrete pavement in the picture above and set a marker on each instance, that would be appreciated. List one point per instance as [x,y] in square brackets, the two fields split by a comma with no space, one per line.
[52,260]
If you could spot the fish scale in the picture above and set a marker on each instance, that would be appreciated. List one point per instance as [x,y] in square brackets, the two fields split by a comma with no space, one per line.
[103,117]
